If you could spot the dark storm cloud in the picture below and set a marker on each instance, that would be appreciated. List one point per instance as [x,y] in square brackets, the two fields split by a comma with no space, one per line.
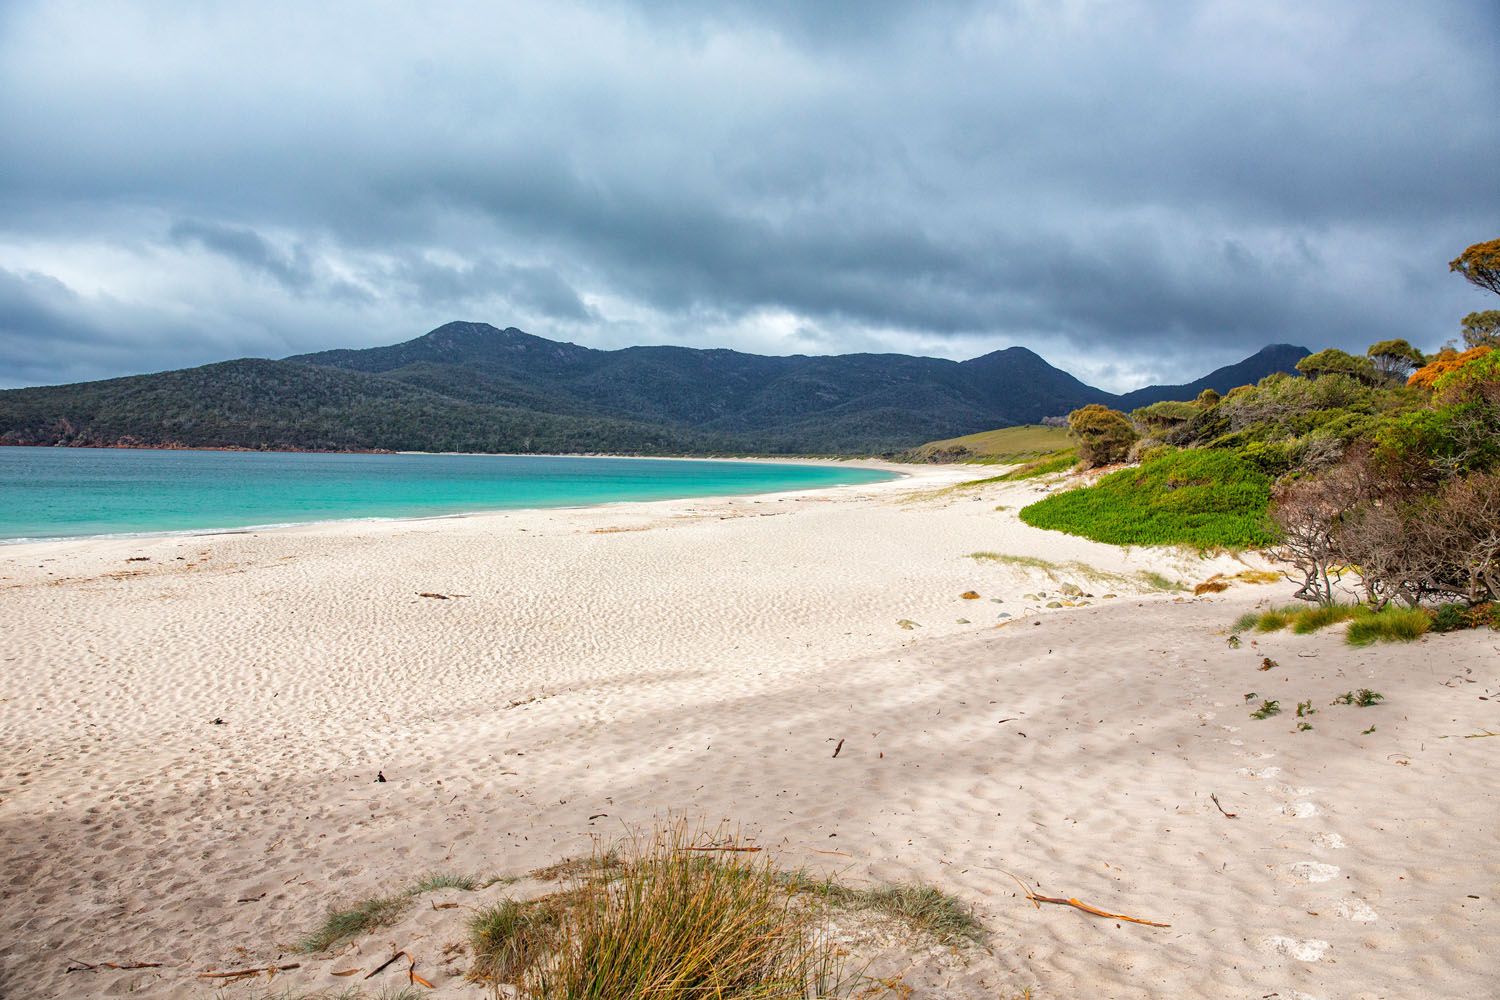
[1150,188]
[293,270]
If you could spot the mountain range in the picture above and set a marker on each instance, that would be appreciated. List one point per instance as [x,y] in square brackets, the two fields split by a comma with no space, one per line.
[473,387]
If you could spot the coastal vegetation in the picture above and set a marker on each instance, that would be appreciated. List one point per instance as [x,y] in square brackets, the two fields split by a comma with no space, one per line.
[672,917]
[1381,468]
[1205,498]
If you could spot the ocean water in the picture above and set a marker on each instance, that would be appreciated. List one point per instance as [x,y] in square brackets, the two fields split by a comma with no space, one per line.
[73,492]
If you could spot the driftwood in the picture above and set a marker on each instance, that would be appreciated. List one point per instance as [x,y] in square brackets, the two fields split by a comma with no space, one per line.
[1086,908]
[270,970]
[122,966]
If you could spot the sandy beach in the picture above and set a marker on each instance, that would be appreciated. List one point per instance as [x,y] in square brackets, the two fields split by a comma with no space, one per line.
[192,729]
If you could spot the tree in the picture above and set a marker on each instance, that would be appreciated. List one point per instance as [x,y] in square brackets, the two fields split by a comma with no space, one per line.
[1480,265]
[1308,511]
[1482,329]
[1104,436]
[1396,359]
[1336,362]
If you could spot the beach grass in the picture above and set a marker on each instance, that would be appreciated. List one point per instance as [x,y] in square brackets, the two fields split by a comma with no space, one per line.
[1389,625]
[366,915]
[685,914]
[435,881]
[671,920]
[1366,625]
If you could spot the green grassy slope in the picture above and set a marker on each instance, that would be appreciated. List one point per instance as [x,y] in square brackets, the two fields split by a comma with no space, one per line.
[998,447]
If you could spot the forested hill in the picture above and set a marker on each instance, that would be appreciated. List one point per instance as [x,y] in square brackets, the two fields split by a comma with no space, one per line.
[473,387]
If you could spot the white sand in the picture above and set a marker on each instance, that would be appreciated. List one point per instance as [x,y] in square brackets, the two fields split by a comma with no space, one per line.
[704,658]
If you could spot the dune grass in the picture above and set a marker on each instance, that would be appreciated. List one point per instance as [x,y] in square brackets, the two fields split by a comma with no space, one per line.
[665,922]
[667,919]
[510,937]
[1390,624]
[435,881]
[366,915]
[382,911]
[1203,498]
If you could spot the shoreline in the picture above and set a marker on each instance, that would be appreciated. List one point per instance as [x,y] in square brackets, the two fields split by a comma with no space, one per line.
[898,471]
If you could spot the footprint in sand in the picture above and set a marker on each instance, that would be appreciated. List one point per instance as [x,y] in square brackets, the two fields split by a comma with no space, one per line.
[1356,910]
[1303,950]
[1312,871]
[1300,810]
[1329,841]
[1258,772]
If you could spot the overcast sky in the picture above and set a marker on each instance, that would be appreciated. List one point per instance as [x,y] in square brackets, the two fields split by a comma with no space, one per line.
[1136,191]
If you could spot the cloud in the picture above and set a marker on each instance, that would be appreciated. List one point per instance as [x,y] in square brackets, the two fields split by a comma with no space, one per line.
[1135,190]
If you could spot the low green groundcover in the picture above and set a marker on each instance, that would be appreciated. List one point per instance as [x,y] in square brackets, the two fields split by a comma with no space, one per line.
[1201,497]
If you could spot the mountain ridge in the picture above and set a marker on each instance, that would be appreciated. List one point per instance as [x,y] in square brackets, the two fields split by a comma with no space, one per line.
[468,386]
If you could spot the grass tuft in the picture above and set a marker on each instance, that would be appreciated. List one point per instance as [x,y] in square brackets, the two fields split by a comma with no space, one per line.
[435,881]
[508,938]
[1389,625]
[1309,620]
[366,915]
[926,908]
[659,920]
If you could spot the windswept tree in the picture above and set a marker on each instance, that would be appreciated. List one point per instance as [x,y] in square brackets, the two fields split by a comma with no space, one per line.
[1482,329]
[1395,359]
[1480,265]
[1104,436]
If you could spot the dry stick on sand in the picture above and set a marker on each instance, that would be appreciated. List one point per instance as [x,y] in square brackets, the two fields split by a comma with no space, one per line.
[1086,908]
[387,963]
[243,973]
[838,748]
[1226,812]
[737,850]
[123,966]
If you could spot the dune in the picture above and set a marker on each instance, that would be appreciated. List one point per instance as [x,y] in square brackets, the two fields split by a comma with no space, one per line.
[208,741]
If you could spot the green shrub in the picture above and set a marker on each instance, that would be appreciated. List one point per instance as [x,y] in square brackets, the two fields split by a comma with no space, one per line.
[1164,415]
[1104,436]
[1204,498]
[1450,618]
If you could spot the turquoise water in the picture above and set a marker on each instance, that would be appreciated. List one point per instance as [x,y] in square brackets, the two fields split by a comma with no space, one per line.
[71,492]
